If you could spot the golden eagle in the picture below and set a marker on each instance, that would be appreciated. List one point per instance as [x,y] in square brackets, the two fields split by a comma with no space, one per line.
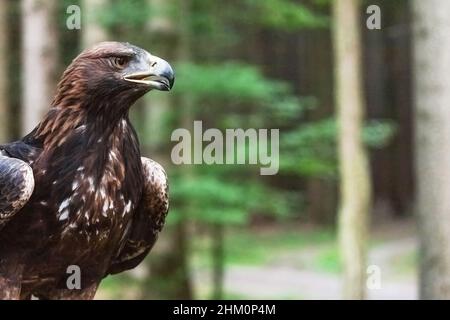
[75,191]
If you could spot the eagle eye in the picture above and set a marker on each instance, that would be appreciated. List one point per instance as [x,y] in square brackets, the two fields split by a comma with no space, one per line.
[120,62]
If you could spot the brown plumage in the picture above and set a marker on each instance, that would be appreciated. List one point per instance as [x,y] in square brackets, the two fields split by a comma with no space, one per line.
[75,191]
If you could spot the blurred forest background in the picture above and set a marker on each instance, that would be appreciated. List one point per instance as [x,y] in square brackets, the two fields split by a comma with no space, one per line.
[232,233]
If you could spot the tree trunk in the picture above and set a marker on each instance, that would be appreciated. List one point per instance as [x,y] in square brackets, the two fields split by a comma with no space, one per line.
[218,259]
[432,118]
[92,31]
[355,191]
[39,59]
[169,269]
[4,114]
[184,55]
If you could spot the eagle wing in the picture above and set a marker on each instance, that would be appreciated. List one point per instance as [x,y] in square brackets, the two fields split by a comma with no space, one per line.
[148,220]
[16,186]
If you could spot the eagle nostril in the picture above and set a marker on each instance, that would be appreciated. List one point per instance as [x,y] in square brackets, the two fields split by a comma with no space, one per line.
[153,64]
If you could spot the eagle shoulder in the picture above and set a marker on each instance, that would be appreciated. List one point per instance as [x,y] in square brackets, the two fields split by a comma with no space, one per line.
[148,220]
[156,192]
[16,186]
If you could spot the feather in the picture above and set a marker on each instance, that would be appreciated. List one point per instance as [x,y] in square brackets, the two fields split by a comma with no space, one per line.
[148,221]
[16,186]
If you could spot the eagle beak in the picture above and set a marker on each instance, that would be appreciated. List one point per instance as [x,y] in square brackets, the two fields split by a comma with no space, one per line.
[159,76]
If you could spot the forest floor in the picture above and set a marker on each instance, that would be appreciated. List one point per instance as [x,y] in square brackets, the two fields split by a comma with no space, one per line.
[291,262]
[313,271]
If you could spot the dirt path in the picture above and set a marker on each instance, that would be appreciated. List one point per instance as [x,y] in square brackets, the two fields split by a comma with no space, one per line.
[280,280]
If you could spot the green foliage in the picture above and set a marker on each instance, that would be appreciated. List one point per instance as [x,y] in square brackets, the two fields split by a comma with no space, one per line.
[230,194]
[328,260]
[235,88]
[130,14]
[226,81]
[311,148]
[218,26]
[288,14]
[211,198]
[256,248]
[232,89]
[378,133]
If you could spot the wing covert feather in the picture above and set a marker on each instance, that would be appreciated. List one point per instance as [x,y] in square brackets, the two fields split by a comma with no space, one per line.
[16,186]
[148,220]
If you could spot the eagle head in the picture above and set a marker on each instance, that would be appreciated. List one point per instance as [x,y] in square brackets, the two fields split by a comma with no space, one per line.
[120,71]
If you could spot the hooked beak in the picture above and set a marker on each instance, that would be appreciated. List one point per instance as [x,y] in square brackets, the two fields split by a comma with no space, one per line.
[159,76]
